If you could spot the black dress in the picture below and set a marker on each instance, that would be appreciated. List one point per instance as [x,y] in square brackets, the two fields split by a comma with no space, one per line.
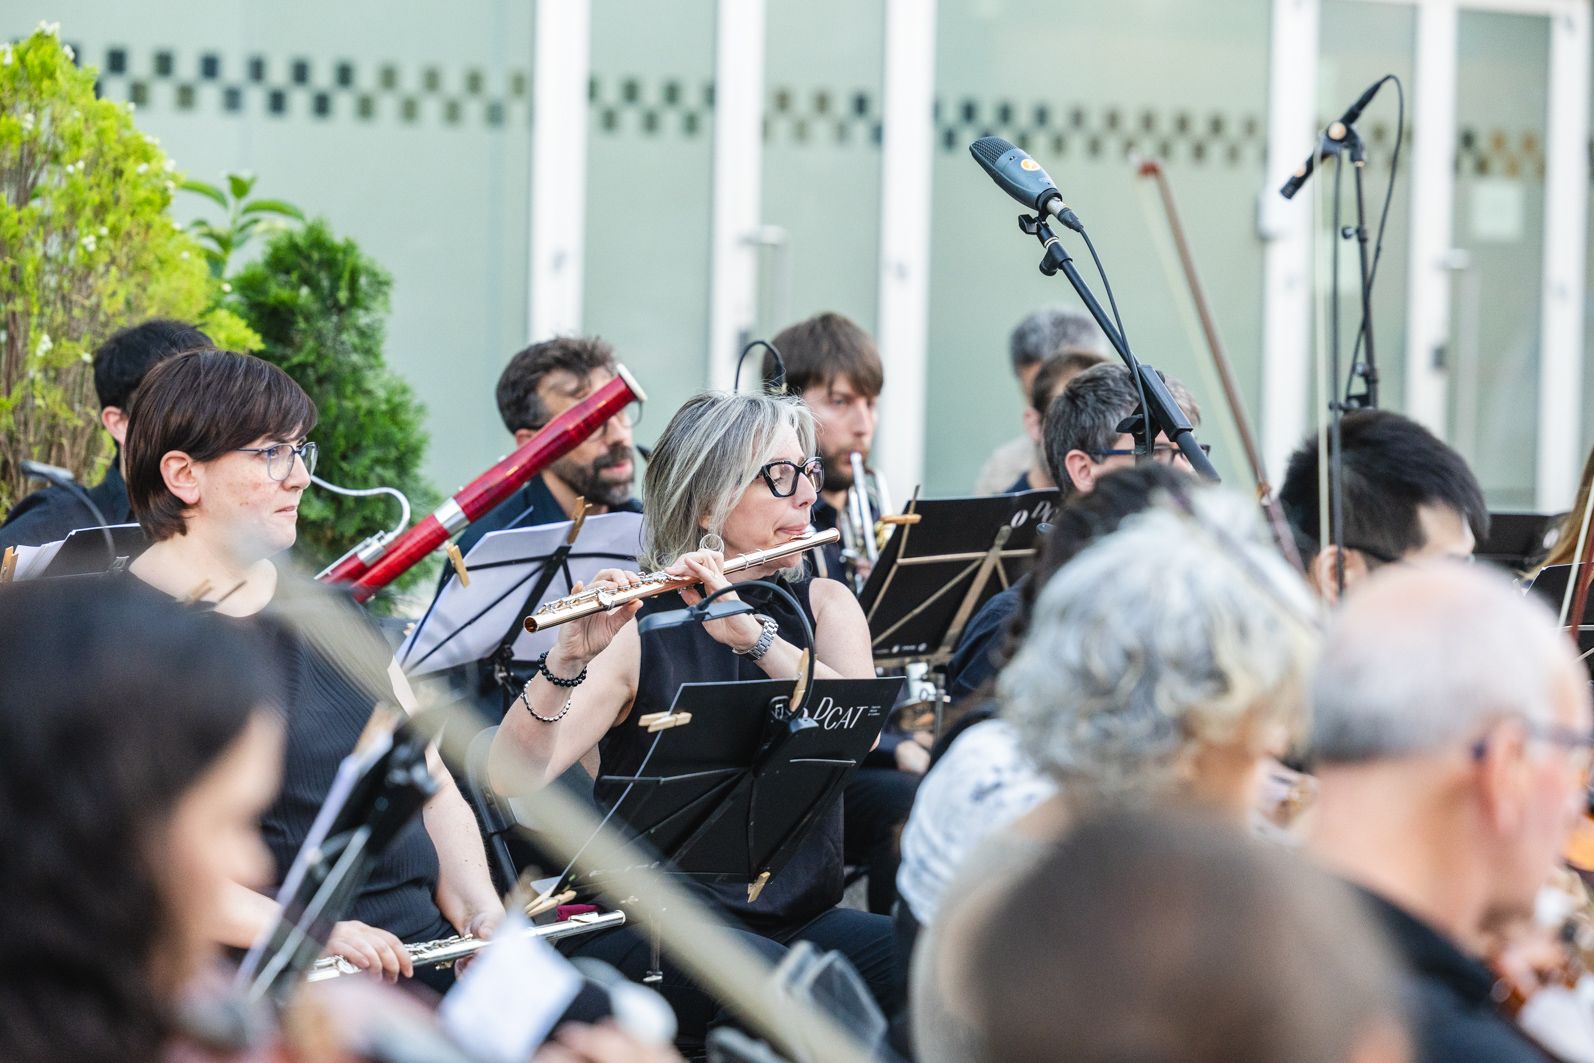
[813,880]
[325,715]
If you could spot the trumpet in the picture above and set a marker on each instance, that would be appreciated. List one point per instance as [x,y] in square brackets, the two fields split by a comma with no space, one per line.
[862,533]
[444,951]
[598,600]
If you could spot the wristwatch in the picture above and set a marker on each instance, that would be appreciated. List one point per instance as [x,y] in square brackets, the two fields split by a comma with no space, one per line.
[766,639]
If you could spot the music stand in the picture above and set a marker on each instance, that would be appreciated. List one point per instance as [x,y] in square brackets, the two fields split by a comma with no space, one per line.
[733,784]
[82,553]
[1550,585]
[378,787]
[933,574]
[512,571]
[1515,540]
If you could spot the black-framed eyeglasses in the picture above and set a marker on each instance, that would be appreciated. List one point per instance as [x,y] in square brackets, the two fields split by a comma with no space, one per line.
[1167,453]
[279,458]
[781,476]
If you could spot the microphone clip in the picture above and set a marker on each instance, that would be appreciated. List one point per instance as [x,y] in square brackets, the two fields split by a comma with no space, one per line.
[1056,255]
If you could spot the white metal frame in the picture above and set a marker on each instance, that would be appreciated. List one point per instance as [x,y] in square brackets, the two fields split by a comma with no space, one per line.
[906,161]
[738,177]
[563,63]
[1288,307]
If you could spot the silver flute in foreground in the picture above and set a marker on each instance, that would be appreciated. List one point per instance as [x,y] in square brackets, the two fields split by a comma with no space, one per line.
[444,951]
[597,600]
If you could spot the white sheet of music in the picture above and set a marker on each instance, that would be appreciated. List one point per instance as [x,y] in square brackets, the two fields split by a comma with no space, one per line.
[503,568]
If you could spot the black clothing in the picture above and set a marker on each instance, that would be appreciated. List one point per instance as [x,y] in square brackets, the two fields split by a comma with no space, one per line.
[875,805]
[326,713]
[812,881]
[1020,485]
[51,514]
[528,507]
[976,656]
[1452,1012]
[827,559]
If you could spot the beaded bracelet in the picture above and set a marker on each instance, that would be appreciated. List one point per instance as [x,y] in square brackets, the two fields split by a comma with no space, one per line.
[524,700]
[558,681]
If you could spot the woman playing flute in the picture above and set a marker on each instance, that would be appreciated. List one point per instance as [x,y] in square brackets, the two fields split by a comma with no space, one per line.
[742,469]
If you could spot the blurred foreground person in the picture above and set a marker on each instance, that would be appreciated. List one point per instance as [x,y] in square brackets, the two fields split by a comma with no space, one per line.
[139,745]
[1164,666]
[1171,938]
[1451,741]
[217,460]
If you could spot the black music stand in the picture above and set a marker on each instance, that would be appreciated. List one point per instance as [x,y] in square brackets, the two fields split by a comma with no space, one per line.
[733,783]
[935,572]
[1550,585]
[1515,540]
[377,789]
[83,553]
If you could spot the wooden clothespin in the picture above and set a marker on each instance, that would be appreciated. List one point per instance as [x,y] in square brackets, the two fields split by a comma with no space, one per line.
[457,559]
[198,592]
[548,902]
[577,519]
[755,887]
[654,722]
[801,688]
[8,565]
[902,518]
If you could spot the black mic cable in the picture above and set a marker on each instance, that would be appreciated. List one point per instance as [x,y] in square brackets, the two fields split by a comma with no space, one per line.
[63,478]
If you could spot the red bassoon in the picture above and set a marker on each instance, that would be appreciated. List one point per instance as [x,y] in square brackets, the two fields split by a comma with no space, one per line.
[369,572]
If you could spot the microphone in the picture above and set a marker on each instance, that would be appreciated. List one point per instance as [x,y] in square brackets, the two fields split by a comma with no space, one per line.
[1353,112]
[1022,178]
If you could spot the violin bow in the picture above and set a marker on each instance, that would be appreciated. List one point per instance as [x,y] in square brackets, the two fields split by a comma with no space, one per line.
[1229,385]
[1575,598]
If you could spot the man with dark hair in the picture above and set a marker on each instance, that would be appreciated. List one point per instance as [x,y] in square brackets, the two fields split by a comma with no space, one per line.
[120,363]
[537,385]
[834,366]
[1050,379]
[1406,495]
[1082,444]
[1082,434]
[1041,335]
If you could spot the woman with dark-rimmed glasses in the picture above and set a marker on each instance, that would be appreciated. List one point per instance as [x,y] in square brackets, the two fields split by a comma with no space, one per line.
[217,458]
[740,468]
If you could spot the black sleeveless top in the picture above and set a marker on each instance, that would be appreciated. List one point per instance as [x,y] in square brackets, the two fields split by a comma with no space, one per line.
[811,883]
[325,714]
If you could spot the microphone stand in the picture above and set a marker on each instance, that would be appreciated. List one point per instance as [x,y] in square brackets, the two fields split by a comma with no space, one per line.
[1160,413]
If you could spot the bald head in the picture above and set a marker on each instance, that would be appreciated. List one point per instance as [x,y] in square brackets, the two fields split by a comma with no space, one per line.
[1429,655]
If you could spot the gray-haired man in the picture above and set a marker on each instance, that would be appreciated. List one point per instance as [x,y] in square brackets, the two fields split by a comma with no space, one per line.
[1451,735]
[1041,335]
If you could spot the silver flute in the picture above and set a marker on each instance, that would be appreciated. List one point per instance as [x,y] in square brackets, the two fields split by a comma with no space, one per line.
[444,951]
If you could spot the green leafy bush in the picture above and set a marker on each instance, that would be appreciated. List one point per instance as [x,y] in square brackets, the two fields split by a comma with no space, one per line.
[320,304]
[86,247]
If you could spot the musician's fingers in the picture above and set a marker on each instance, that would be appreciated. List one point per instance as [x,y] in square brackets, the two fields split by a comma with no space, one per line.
[395,959]
[357,953]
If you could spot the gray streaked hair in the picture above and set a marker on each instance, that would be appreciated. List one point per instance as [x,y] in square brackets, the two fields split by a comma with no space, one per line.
[1427,656]
[706,457]
[1181,630]
[1086,415]
[1053,330]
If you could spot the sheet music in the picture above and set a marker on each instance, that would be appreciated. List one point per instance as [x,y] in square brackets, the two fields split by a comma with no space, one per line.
[503,567]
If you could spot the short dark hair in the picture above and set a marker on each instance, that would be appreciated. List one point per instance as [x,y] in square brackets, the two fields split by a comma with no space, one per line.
[121,362]
[204,403]
[1051,331]
[117,700]
[1063,366]
[1087,414]
[579,356]
[1177,937]
[1392,466]
[824,347]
